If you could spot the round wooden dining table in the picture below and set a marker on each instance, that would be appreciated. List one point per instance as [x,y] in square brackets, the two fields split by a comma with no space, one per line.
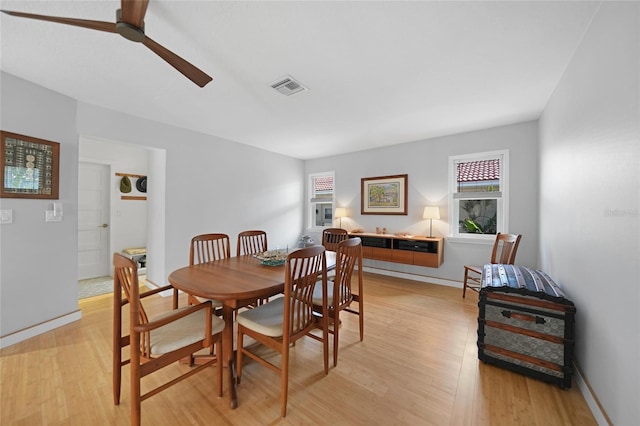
[236,282]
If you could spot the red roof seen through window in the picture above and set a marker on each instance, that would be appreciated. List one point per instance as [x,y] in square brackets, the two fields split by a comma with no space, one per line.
[474,171]
[324,183]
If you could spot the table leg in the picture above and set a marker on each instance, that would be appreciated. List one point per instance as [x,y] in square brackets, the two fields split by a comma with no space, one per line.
[227,337]
[234,382]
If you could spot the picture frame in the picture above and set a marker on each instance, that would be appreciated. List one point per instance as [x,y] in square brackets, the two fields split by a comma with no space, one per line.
[387,195]
[30,167]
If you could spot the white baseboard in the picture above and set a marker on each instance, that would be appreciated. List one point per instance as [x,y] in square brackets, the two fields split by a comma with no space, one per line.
[590,398]
[27,333]
[414,277]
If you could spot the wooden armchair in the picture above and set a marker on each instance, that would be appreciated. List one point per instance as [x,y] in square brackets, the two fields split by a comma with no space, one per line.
[504,251]
[160,341]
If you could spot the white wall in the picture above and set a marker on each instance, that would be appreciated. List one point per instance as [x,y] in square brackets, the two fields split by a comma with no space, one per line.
[590,204]
[38,260]
[426,163]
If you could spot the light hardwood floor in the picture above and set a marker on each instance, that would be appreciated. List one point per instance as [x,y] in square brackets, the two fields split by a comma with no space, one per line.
[417,365]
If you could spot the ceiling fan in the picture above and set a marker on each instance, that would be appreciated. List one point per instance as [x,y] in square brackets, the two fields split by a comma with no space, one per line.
[130,25]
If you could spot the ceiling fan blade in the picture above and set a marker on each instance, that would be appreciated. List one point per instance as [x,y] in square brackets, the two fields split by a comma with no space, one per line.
[190,71]
[109,27]
[133,12]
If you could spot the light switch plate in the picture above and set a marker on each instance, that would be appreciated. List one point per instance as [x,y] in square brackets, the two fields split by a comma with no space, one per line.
[50,217]
[6,216]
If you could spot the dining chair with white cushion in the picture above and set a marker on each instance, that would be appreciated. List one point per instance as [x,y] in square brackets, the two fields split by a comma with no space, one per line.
[282,321]
[339,290]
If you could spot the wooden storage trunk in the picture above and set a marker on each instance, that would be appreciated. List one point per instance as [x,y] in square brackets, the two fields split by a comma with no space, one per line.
[525,323]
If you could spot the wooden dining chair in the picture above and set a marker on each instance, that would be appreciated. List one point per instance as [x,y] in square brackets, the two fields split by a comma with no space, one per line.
[251,242]
[339,290]
[504,251]
[282,321]
[157,342]
[207,248]
[331,237]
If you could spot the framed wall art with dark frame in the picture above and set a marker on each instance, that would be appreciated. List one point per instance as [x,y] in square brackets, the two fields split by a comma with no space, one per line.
[30,167]
[384,195]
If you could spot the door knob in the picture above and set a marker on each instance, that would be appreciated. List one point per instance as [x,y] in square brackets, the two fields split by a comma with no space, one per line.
[104,225]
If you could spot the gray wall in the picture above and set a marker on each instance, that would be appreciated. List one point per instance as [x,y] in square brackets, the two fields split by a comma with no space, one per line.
[426,163]
[590,203]
[38,260]
[208,185]
[211,185]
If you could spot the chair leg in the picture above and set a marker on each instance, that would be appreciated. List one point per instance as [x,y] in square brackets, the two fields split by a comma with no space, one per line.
[361,316]
[135,394]
[239,345]
[336,327]
[218,349]
[464,283]
[117,379]
[325,344]
[284,381]
[175,299]
[117,343]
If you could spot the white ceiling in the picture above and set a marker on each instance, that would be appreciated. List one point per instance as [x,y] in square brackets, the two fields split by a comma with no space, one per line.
[379,73]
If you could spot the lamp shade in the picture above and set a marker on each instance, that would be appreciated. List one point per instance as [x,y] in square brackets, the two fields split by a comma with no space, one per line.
[431,213]
[341,212]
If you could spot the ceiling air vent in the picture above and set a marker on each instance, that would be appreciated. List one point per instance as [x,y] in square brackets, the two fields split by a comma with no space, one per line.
[288,86]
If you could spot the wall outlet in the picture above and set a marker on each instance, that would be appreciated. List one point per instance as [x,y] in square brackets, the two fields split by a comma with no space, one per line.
[6,216]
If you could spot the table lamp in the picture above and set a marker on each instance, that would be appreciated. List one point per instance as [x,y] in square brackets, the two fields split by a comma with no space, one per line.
[340,213]
[431,213]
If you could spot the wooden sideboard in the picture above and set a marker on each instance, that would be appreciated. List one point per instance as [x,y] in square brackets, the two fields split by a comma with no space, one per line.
[420,251]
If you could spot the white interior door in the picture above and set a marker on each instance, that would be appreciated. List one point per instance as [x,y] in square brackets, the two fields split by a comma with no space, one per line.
[93,220]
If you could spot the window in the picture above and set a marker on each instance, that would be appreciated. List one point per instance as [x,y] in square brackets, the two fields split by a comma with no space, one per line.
[478,188]
[321,200]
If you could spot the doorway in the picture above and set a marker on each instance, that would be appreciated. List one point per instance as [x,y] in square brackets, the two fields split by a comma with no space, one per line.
[129,222]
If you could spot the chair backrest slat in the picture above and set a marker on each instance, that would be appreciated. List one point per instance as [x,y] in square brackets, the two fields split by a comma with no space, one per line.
[331,237]
[126,278]
[348,253]
[505,248]
[302,270]
[251,242]
[209,247]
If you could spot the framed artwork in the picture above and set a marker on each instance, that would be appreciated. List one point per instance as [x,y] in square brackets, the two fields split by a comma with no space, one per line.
[384,195]
[30,167]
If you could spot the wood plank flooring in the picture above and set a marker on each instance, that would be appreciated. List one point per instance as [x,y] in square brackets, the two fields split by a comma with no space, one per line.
[417,365]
